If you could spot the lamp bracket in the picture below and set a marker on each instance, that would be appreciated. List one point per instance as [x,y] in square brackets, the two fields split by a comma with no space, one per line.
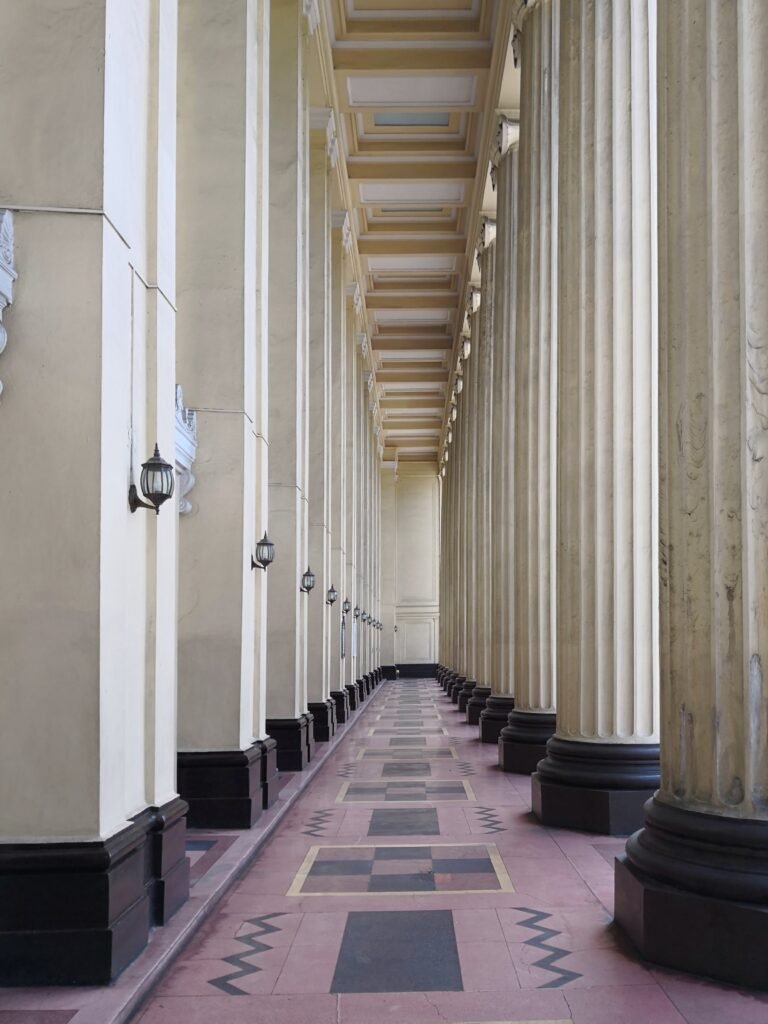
[135,502]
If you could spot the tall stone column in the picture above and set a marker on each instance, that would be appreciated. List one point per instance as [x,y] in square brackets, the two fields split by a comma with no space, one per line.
[320,704]
[227,766]
[502,463]
[603,762]
[692,890]
[532,722]
[287,718]
[91,828]
[388,567]
[350,404]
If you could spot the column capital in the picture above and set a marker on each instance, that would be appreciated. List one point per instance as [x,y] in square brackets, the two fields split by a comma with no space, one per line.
[312,14]
[323,119]
[487,233]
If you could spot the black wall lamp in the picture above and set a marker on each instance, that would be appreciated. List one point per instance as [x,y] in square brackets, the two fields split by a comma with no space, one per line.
[357,611]
[347,606]
[307,581]
[156,484]
[265,553]
[332,595]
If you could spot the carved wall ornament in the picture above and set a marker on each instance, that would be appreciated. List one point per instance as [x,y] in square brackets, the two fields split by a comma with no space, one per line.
[186,450]
[332,140]
[487,233]
[507,134]
[7,272]
[312,14]
[358,300]
[473,300]
[516,48]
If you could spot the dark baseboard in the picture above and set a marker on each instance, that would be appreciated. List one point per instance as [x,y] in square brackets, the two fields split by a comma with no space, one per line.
[389,671]
[292,737]
[166,868]
[341,699]
[73,913]
[269,772]
[222,787]
[416,670]
[324,713]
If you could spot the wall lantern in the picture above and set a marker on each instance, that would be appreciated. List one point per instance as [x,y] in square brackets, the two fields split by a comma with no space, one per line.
[357,611]
[450,436]
[265,553]
[307,581]
[459,385]
[442,471]
[332,595]
[454,413]
[156,484]
[445,455]
[466,348]
[346,607]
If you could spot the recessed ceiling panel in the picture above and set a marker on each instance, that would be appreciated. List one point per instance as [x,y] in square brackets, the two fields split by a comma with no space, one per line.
[442,264]
[381,193]
[388,91]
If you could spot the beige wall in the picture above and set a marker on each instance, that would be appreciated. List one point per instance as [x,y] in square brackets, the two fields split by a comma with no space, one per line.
[417,534]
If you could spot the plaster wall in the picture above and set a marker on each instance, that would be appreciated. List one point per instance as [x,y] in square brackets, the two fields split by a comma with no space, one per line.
[417,518]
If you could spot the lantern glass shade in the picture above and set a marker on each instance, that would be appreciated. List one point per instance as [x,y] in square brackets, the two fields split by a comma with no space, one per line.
[346,607]
[459,385]
[357,611]
[466,348]
[265,552]
[307,581]
[454,413]
[442,471]
[156,480]
[450,436]
[332,595]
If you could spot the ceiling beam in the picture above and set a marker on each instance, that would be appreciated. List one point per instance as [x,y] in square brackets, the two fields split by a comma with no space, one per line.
[412,58]
[410,246]
[411,404]
[375,301]
[411,170]
[415,345]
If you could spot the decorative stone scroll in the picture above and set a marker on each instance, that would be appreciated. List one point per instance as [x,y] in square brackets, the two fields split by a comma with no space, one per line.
[487,233]
[7,273]
[186,451]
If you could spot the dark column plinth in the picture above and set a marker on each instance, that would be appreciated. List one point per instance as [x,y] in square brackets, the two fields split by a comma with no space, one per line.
[324,714]
[361,690]
[166,868]
[455,688]
[222,787]
[292,737]
[476,704]
[341,699]
[523,741]
[269,786]
[692,893]
[72,913]
[595,787]
[465,693]
[388,672]
[354,695]
[494,717]
[310,734]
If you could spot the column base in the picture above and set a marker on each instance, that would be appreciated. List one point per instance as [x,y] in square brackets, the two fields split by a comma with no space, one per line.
[72,913]
[494,717]
[310,734]
[388,672]
[354,695]
[166,868]
[523,741]
[691,894]
[362,693]
[341,700]
[465,693]
[291,735]
[222,787]
[476,704]
[595,787]
[324,713]
[455,688]
[269,773]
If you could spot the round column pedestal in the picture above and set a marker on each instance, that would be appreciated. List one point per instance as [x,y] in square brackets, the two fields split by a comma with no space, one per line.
[692,893]
[465,693]
[455,688]
[595,787]
[476,704]
[523,741]
[494,717]
[445,678]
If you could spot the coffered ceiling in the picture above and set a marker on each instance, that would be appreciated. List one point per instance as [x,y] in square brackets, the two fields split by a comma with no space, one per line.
[417,86]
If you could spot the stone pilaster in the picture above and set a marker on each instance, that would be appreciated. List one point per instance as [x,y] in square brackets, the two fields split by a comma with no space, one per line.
[287,718]
[533,720]
[603,762]
[702,856]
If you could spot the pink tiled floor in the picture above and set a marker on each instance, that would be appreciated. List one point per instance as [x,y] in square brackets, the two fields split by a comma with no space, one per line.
[279,952]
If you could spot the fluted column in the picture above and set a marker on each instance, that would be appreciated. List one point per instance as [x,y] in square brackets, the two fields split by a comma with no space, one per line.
[502,468]
[533,720]
[603,762]
[703,854]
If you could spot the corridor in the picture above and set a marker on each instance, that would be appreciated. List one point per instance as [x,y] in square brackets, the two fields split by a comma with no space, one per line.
[410,883]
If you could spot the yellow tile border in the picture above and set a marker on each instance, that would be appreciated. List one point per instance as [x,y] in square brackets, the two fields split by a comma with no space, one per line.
[421,750]
[470,793]
[505,882]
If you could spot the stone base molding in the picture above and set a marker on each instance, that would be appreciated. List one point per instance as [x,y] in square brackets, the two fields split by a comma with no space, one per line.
[595,787]
[494,717]
[269,786]
[223,788]
[354,695]
[73,913]
[523,741]
[324,713]
[692,874]
[476,704]
[341,700]
[465,693]
[362,690]
[166,868]
[292,737]
[455,688]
